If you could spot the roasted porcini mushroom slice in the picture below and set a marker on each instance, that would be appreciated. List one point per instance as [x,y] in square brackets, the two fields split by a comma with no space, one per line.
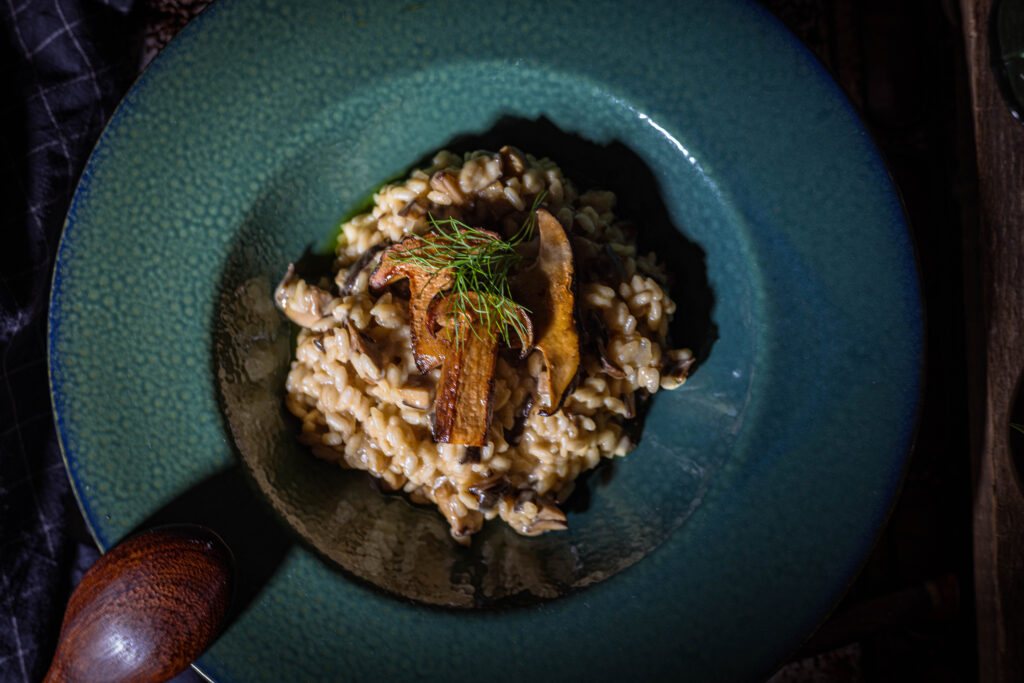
[548,290]
[303,303]
[462,408]
[424,285]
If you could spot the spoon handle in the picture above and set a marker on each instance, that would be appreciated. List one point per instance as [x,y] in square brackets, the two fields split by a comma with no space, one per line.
[146,609]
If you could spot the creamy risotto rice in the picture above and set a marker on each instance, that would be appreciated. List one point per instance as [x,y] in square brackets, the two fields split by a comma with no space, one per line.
[363,404]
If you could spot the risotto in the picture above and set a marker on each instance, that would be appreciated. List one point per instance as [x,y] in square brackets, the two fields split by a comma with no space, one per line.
[553,360]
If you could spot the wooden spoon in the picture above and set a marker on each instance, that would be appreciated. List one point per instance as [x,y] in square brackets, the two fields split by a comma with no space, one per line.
[147,608]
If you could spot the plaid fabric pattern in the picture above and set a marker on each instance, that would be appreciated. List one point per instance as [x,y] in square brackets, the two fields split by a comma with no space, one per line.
[64,65]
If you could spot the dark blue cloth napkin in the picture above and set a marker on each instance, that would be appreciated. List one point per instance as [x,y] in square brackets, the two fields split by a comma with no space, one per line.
[64,65]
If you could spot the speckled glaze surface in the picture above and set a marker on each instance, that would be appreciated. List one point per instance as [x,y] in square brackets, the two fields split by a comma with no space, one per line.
[265,121]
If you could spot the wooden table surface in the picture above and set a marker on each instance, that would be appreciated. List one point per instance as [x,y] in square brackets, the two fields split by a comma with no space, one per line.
[942,596]
[995,304]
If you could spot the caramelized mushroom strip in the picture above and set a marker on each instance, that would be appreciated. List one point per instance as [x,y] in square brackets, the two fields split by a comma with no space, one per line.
[463,405]
[424,285]
[548,290]
[304,304]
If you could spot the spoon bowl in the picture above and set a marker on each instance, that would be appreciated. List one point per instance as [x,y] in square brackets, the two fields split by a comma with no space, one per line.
[147,608]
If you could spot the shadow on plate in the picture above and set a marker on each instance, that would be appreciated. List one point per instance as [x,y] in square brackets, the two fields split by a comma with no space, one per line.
[229,505]
[385,540]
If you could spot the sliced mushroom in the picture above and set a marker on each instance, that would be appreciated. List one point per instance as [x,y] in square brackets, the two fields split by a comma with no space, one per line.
[463,404]
[513,161]
[629,400]
[548,290]
[595,338]
[368,348]
[423,286]
[677,366]
[446,183]
[514,434]
[462,526]
[353,271]
[489,491]
[470,454]
[408,208]
[523,343]
[549,516]
[303,303]
[633,427]
[680,368]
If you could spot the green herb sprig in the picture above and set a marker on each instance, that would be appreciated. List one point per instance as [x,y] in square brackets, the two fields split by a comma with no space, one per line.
[480,264]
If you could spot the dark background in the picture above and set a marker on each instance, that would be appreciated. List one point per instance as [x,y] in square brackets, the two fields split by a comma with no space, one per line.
[909,616]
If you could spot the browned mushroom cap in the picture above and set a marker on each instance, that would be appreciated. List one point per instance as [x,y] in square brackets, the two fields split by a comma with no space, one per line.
[424,285]
[548,289]
[303,303]
[463,405]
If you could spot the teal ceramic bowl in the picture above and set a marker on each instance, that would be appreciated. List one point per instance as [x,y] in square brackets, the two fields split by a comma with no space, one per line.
[758,487]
